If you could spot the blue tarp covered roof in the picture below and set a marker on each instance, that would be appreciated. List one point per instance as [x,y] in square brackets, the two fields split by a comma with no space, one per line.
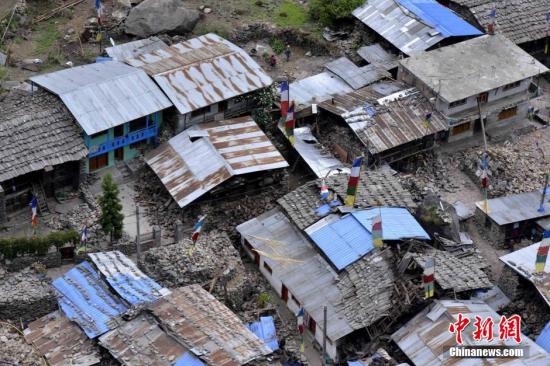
[355,363]
[543,339]
[349,238]
[444,20]
[188,359]
[265,330]
[85,299]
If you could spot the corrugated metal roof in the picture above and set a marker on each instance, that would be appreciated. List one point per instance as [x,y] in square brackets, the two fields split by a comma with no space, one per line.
[312,281]
[202,71]
[515,208]
[523,262]
[377,55]
[425,339]
[317,88]
[126,278]
[188,169]
[413,25]
[354,76]
[142,342]
[472,67]
[104,95]
[85,299]
[214,333]
[399,118]
[543,339]
[345,240]
[265,330]
[58,339]
[126,50]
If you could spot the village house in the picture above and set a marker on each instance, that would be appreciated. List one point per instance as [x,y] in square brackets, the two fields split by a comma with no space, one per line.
[207,78]
[118,107]
[488,76]
[514,217]
[41,150]
[413,26]
[123,51]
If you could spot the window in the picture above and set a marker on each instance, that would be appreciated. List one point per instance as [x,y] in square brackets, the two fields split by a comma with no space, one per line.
[312,325]
[507,113]
[295,300]
[512,85]
[458,103]
[138,145]
[483,97]
[268,268]
[222,106]
[461,128]
[138,124]
[200,111]
[99,134]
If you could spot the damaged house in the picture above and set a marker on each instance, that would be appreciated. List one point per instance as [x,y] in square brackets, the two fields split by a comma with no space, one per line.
[41,149]
[413,26]
[118,107]
[206,155]
[487,76]
[207,78]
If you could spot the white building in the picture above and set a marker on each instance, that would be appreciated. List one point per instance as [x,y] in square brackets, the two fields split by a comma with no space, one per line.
[490,69]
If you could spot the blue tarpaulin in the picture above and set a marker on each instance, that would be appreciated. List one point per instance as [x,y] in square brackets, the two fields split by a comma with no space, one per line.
[85,299]
[444,20]
[543,339]
[265,330]
[188,359]
[397,223]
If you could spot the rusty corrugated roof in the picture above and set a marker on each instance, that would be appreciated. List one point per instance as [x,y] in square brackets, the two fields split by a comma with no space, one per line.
[202,71]
[214,333]
[189,167]
[59,339]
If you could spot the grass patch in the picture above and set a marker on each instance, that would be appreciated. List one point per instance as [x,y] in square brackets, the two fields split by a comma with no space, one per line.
[290,14]
[47,37]
[221,29]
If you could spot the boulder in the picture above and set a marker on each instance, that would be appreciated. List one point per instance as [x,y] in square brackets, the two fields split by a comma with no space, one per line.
[160,16]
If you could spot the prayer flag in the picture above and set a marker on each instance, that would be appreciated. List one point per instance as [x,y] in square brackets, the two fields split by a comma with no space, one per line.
[289,125]
[377,237]
[198,228]
[428,120]
[353,181]
[542,252]
[428,278]
[284,98]
[34,209]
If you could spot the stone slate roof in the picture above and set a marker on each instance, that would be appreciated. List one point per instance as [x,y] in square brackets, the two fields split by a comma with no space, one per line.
[376,188]
[36,131]
[519,20]
[454,273]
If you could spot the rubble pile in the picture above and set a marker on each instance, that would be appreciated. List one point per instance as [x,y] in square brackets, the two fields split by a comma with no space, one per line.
[516,166]
[336,138]
[529,308]
[25,296]
[14,350]
[430,175]
[212,262]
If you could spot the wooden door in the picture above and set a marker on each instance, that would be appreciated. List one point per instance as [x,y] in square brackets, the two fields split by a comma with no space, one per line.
[284,293]
[119,154]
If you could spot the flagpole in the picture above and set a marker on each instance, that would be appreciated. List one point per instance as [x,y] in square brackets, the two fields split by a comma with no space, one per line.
[486,156]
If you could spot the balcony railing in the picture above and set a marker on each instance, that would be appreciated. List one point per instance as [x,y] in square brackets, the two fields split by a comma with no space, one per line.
[117,142]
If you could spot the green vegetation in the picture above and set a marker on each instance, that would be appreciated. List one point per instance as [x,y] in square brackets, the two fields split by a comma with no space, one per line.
[277,45]
[263,299]
[12,247]
[111,209]
[290,14]
[329,12]
[48,36]
[3,73]
[221,29]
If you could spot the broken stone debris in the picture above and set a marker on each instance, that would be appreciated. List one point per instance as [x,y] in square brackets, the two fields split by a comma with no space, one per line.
[14,350]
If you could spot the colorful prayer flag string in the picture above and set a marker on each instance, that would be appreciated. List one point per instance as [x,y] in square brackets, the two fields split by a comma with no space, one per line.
[428,278]
[289,125]
[377,236]
[34,210]
[353,181]
[542,252]
[196,233]
[284,98]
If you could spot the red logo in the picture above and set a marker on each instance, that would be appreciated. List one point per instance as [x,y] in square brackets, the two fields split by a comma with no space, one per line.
[508,328]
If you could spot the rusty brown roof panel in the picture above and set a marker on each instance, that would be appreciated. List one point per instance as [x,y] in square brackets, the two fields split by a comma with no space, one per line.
[188,169]
[59,339]
[201,322]
[202,71]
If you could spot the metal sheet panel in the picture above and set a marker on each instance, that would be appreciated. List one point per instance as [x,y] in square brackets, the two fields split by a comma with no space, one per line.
[104,95]
[377,55]
[265,330]
[354,76]
[213,332]
[202,71]
[516,208]
[317,88]
[397,223]
[85,299]
[58,339]
[127,50]
[127,279]
[425,338]
[188,169]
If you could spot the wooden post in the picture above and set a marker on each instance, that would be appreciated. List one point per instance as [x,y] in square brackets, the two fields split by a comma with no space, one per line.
[138,246]
[541,208]
[486,155]
[325,335]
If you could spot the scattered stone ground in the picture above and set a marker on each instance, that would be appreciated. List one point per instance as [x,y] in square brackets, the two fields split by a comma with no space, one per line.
[13,348]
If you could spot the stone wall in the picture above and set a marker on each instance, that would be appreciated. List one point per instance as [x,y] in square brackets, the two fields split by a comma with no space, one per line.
[50,260]
[3,214]
[25,296]
[509,282]
[494,233]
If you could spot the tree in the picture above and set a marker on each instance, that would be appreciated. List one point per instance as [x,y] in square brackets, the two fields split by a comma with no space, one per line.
[330,12]
[111,209]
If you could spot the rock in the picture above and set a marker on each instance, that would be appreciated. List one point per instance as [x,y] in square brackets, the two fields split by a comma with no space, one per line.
[119,15]
[124,3]
[308,54]
[207,10]
[158,16]
[3,59]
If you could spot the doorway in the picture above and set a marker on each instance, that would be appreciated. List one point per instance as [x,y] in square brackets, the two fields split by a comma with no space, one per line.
[119,131]
[284,294]
[119,154]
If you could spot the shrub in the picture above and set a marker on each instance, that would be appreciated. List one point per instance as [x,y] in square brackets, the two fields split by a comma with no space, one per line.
[329,12]
[277,45]
[263,299]
[39,245]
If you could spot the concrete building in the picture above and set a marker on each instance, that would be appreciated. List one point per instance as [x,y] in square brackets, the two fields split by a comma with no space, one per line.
[487,75]
[118,107]
[207,78]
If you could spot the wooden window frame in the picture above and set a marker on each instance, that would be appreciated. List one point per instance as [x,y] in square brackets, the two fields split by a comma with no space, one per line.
[268,268]
[461,128]
[458,103]
[513,85]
